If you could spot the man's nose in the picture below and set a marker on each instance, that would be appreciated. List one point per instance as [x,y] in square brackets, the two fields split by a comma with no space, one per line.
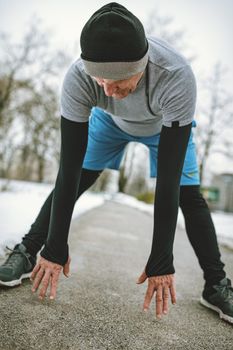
[108,89]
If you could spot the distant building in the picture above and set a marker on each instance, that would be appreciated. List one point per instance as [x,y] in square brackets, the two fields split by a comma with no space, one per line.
[223,183]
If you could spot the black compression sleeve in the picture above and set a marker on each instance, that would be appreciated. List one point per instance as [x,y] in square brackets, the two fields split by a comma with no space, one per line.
[73,148]
[171,153]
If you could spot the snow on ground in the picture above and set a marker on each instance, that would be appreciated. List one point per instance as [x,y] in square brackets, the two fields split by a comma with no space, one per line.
[20,205]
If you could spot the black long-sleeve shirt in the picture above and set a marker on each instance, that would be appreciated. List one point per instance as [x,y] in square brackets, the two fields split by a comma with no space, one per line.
[73,147]
[171,154]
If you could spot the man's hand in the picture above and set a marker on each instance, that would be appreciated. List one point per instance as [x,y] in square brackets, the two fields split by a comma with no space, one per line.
[47,273]
[163,285]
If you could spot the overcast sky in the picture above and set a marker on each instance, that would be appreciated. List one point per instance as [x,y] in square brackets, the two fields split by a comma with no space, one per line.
[207,24]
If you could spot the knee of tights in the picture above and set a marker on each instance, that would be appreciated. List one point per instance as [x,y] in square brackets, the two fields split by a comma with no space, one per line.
[191,196]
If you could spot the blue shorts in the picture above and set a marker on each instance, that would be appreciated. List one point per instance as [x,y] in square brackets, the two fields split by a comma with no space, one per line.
[107,142]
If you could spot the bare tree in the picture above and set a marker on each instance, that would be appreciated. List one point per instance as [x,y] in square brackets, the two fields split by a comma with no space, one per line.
[161,27]
[102,183]
[29,85]
[40,122]
[126,168]
[215,119]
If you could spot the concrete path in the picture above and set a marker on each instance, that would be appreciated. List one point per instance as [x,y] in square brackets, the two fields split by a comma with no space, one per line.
[100,306]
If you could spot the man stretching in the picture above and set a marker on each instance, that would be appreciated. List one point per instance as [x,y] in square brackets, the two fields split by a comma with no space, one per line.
[126,87]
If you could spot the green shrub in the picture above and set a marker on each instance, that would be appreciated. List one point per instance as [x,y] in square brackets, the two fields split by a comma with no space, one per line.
[147,197]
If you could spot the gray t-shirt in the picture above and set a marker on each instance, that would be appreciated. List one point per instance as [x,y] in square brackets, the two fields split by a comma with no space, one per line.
[166,93]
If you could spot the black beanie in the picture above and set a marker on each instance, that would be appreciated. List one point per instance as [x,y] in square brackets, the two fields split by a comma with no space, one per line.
[113,43]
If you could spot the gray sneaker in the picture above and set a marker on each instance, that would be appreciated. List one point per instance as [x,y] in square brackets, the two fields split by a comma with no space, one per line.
[18,266]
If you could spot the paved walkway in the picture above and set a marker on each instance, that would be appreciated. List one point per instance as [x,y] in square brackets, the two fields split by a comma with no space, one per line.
[100,306]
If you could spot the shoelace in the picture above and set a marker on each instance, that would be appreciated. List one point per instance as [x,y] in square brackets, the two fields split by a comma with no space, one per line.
[12,259]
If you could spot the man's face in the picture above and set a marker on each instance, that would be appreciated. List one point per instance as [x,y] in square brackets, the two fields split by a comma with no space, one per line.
[119,88]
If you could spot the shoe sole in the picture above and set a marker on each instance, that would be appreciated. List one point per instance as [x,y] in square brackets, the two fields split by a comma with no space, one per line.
[215,308]
[15,282]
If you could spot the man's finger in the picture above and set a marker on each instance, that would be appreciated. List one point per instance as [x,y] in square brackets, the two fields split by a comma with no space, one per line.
[34,271]
[53,286]
[66,268]
[142,278]
[159,301]
[37,280]
[173,293]
[148,297]
[165,299]
[45,283]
